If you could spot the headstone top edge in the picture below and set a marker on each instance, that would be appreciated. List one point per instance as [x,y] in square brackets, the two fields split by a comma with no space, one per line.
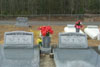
[65,33]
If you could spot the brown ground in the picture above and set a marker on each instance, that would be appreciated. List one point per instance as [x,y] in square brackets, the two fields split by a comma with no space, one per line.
[54,41]
[46,61]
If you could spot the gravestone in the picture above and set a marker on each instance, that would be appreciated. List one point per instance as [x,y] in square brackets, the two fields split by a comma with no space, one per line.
[70,25]
[92,31]
[71,28]
[92,26]
[72,40]
[19,50]
[98,37]
[18,39]
[22,21]
[73,51]
[99,47]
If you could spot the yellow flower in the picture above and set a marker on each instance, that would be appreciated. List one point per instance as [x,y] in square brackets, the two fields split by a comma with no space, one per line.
[31,30]
[39,40]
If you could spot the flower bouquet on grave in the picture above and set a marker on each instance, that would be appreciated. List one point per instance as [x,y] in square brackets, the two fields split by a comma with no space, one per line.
[45,33]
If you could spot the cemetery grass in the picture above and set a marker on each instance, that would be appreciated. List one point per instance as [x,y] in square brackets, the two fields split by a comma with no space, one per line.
[54,41]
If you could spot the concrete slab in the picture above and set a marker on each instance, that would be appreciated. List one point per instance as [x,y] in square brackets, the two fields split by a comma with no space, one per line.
[19,57]
[76,58]
[92,31]
[98,63]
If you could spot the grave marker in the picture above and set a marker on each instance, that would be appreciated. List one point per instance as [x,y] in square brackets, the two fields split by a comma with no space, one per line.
[18,39]
[18,50]
[98,37]
[99,47]
[72,40]
[22,21]
[70,25]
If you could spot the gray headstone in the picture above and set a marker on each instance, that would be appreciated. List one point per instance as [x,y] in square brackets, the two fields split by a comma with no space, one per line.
[16,52]
[72,40]
[99,47]
[18,39]
[22,21]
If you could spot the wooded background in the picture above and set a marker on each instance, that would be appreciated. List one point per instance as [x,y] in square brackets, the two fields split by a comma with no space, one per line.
[39,7]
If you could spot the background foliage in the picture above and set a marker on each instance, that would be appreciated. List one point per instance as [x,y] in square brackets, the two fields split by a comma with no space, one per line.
[38,7]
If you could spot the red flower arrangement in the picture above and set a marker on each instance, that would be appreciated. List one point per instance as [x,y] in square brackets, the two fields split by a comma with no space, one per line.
[46,30]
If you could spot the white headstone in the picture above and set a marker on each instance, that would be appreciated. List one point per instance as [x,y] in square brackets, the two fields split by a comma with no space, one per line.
[22,21]
[72,40]
[92,31]
[70,25]
[18,38]
[92,26]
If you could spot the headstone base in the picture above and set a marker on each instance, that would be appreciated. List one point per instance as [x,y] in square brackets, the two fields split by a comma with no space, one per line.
[45,50]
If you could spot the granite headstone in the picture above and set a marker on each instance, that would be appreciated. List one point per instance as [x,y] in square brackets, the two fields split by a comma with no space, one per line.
[18,39]
[72,40]
[19,50]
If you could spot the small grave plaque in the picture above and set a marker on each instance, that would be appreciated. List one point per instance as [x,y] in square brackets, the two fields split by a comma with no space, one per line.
[22,21]
[72,40]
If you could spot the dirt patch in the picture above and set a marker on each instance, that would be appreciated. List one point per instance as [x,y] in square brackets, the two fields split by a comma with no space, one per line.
[46,61]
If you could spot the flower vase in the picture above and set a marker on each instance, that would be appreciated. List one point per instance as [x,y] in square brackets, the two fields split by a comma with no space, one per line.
[46,41]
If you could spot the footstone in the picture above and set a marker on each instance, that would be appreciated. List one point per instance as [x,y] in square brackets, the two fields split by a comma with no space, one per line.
[72,40]
[22,21]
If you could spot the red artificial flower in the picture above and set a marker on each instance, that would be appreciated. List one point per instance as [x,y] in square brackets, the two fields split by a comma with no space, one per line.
[45,30]
[51,31]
